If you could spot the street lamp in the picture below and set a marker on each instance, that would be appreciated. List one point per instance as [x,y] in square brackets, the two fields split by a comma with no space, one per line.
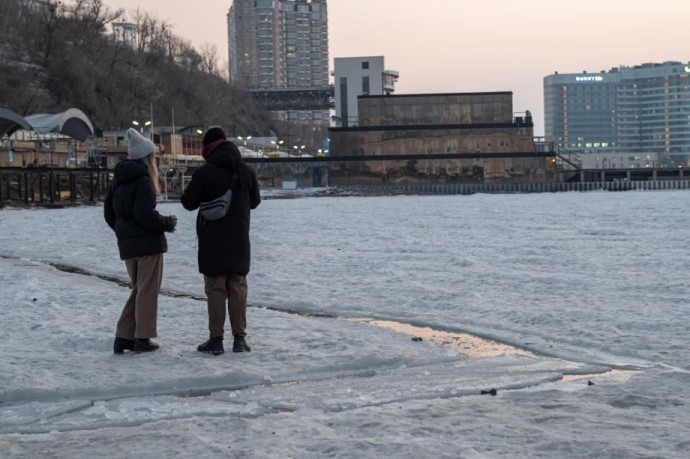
[141,125]
[244,139]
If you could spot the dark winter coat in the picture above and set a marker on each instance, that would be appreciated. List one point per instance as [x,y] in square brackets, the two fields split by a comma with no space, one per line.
[130,210]
[224,246]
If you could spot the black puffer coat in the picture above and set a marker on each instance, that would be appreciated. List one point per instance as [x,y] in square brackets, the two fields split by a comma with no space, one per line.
[130,210]
[224,246]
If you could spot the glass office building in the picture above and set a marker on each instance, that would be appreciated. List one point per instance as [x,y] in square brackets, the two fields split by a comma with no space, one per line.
[636,110]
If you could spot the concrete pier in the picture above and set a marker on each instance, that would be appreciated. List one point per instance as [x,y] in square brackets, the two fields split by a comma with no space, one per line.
[532,187]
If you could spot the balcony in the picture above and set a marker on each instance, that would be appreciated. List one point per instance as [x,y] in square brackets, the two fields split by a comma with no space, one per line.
[390,77]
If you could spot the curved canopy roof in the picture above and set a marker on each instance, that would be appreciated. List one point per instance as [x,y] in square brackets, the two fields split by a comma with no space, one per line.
[72,123]
[11,122]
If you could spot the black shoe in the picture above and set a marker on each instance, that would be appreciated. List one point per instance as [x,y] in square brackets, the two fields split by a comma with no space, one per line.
[212,346]
[144,345]
[121,345]
[240,345]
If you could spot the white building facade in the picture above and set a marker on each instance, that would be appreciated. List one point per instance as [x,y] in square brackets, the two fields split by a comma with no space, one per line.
[359,76]
[620,161]
[126,33]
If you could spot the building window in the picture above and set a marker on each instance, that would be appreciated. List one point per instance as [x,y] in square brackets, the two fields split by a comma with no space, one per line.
[365,65]
[343,101]
[365,85]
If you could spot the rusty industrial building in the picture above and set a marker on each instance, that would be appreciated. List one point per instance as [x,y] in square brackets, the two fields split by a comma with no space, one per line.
[439,138]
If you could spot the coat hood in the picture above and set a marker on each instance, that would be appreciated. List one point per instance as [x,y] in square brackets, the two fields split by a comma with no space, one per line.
[223,153]
[129,171]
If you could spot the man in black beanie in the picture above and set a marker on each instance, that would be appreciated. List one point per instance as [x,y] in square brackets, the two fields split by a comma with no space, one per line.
[224,248]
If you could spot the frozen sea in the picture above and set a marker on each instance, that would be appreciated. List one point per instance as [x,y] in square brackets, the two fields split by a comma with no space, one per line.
[580,302]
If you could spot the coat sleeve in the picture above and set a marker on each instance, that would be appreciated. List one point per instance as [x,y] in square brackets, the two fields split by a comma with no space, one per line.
[144,209]
[108,212]
[254,193]
[191,198]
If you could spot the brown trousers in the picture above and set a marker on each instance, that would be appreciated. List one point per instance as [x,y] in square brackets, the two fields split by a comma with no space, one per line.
[233,289]
[140,314]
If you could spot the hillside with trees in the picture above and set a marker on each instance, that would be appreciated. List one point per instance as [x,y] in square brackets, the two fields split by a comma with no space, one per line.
[59,55]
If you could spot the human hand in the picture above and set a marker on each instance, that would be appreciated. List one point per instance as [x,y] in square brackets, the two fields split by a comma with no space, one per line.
[172,223]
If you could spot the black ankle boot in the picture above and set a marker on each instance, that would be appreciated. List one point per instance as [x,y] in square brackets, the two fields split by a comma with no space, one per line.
[240,345]
[212,346]
[121,345]
[144,345]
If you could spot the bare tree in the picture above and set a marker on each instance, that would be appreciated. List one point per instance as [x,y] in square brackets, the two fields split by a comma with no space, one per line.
[209,58]
[54,59]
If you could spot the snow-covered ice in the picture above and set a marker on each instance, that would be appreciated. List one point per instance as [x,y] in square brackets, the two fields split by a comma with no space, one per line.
[590,286]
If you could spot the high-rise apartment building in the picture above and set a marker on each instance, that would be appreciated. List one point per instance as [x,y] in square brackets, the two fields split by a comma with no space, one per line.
[637,110]
[282,44]
[278,44]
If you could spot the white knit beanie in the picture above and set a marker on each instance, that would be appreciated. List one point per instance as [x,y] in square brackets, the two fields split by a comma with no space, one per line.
[138,146]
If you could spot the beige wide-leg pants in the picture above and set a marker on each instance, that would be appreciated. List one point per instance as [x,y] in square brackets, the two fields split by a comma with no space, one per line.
[233,289]
[140,314]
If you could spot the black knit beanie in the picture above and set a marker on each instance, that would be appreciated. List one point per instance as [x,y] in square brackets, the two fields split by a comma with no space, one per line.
[214,134]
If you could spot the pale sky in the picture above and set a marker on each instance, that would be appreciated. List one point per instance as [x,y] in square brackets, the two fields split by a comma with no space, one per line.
[443,46]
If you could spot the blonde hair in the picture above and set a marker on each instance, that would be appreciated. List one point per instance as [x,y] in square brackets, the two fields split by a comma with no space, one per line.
[153,173]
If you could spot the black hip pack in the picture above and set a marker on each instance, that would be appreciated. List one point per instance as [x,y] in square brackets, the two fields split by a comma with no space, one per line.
[218,208]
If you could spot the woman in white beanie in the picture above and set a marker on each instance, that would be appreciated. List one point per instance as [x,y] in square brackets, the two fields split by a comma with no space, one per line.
[130,210]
